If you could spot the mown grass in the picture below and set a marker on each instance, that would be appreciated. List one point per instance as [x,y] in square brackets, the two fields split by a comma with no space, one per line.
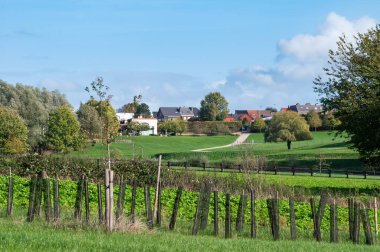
[22,236]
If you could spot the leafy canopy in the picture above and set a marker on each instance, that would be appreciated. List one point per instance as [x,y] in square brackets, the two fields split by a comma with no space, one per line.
[214,107]
[13,132]
[351,86]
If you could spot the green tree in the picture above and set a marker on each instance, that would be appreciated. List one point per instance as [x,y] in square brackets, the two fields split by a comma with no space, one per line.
[142,110]
[13,132]
[137,127]
[175,127]
[132,106]
[63,133]
[351,87]
[214,107]
[89,120]
[313,119]
[287,126]
[258,125]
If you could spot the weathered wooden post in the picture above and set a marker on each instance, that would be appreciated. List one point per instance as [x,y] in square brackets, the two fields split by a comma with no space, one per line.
[356,227]
[351,217]
[198,212]
[38,193]
[366,226]
[253,220]
[240,213]
[10,195]
[216,214]
[313,212]
[79,199]
[177,200]
[32,196]
[319,216]
[109,199]
[228,217]
[157,187]
[56,207]
[293,227]
[159,207]
[86,200]
[47,198]
[333,222]
[375,215]
[205,206]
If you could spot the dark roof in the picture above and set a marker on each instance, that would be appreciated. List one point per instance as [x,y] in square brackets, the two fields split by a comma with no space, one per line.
[241,112]
[178,111]
[306,108]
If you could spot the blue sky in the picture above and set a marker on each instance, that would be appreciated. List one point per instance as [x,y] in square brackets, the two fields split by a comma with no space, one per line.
[256,53]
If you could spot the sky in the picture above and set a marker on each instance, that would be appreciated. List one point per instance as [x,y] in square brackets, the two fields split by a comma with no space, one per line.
[255,53]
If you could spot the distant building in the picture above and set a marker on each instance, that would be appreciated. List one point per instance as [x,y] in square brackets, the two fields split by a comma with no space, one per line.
[252,114]
[152,123]
[304,109]
[184,113]
[124,117]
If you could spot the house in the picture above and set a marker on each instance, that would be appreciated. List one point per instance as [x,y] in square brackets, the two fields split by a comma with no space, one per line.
[152,124]
[184,113]
[304,109]
[124,117]
[252,115]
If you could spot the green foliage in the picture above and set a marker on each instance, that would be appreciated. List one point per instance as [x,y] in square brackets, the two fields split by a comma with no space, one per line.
[351,87]
[13,132]
[313,119]
[213,127]
[137,127]
[33,105]
[89,120]
[63,133]
[143,110]
[258,125]
[214,107]
[287,126]
[172,127]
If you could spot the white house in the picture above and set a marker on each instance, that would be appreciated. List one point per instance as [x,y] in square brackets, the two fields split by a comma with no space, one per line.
[124,117]
[152,123]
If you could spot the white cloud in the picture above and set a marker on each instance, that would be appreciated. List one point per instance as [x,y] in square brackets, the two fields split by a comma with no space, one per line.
[216,84]
[300,59]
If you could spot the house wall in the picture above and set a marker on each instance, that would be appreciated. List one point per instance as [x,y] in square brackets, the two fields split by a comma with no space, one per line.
[152,123]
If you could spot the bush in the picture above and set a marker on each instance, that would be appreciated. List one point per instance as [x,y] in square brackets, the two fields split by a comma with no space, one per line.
[213,127]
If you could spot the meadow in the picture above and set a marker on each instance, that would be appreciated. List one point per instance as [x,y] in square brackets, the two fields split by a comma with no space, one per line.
[325,145]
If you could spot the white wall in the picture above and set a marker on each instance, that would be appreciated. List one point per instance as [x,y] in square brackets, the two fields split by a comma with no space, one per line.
[152,123]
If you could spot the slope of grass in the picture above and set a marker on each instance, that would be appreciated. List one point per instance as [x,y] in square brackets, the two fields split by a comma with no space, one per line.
[22,236]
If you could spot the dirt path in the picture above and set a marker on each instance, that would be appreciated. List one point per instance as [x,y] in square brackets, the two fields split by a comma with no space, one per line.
[238,141]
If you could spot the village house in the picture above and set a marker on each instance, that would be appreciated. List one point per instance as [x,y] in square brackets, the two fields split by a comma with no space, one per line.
[184,113]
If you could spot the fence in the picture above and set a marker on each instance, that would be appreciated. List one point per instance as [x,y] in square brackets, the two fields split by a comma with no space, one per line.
[276,170]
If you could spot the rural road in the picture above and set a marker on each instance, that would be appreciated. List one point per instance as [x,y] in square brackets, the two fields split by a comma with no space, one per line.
[238,141]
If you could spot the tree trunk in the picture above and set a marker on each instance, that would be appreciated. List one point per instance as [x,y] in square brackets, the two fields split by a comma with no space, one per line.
[289,143]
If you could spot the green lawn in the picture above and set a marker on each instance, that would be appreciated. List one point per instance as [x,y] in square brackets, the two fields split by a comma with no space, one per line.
[22,236]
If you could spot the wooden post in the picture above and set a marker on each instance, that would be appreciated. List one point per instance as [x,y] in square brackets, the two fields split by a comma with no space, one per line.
[313,212]
[38,193]
[319,216]
[228,217]
[293,227]
[159,206]
[87,201]
[375,216]
[32,197]
[177,200]
[205,206]
[351,217]
[47,199]
[109,199]
[157,187]
[333,222]
[253,220]
[197,213]
[275,219]
[10,196]
[148,207]
[240,213]
[356,227]
[56,207]
[366,226]
[100,204]
[79,200]
[133,200]
[216,214]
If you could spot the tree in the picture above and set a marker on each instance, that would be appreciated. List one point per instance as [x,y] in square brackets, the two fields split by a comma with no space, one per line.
[132,106]
[258,125]
[214,107]
[107,114]
[287,126]
[63,133]
[89,120]
[142,110]
[351,88]
[172,126]
[13,132]
[313,119]
[137,127]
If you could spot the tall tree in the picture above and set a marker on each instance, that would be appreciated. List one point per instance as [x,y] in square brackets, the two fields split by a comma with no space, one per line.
[287,126]
[63,133]
[89,120]
[258,125]
[132,106]
[142,110]
[214,107]
[13,132]
[313,119]
[351,87]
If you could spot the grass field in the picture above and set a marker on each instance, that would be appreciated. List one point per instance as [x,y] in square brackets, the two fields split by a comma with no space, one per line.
[325,145]
[22,236]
